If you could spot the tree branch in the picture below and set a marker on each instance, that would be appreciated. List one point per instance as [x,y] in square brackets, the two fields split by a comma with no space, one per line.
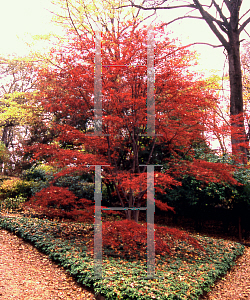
[207,44]
[244,24]
[244,14]
[184,17]
[71,20]
[205,15]
[149,8]
[247,33]
[220,12]
[228,4]
[209,19]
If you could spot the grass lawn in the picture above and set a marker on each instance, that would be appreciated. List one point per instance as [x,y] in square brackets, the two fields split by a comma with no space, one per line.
[186,274]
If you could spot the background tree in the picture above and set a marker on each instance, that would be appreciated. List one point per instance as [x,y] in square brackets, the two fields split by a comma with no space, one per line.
[4,156]
[18,109]
[224,20]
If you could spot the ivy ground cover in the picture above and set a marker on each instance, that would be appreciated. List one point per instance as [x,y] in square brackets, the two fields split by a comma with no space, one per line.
[186,274]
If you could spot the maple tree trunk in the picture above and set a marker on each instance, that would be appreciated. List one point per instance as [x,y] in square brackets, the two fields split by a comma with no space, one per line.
[236,97]
[136,215]
[130,204]
[128,215]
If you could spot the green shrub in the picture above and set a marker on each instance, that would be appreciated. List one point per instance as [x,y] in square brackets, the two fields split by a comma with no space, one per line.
[80,187]
[37,173]
[12,203]
[13,187]
[39,177]
[36,187]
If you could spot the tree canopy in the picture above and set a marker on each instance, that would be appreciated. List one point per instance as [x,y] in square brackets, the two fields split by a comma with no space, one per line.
[181,100]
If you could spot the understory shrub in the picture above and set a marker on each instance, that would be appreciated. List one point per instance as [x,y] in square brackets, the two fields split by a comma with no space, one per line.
[80,186]
[68,196]
[42,176]
[55,201]
[12,203]
[39,177]
[60,202]
[13,187]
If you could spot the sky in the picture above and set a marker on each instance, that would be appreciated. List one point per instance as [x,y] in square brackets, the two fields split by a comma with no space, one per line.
[21,18]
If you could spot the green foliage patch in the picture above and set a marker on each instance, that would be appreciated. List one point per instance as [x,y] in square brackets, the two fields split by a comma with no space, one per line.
[39,177]
[12,203]
[12,187]
[185,274]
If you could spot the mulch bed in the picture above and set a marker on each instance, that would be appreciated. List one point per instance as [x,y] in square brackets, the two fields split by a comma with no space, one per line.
[28,274]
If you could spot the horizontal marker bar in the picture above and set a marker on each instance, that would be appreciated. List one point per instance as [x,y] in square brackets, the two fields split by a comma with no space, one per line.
[125,208]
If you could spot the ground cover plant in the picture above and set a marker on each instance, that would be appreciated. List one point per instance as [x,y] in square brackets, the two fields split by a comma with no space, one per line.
[184,273]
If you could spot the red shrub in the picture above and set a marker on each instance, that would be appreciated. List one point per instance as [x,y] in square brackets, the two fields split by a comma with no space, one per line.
[127,238]
[60,202]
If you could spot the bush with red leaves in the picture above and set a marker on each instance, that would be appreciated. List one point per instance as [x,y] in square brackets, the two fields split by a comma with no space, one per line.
[60,202]
[128,239]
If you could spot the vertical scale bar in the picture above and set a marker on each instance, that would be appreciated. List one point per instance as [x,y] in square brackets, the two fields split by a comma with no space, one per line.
[98,224]
[150,83]
[98,86]
[150,222]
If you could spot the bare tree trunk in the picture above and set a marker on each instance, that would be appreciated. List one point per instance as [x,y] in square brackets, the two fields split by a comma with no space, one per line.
[238,133]
[136,212]
[130,204]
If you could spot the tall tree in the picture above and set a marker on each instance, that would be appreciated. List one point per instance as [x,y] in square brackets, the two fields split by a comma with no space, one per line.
[16,79]
[224,20]
[17,107]
[181,101]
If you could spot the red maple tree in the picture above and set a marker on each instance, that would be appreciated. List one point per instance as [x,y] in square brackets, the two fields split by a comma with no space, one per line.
[182,101]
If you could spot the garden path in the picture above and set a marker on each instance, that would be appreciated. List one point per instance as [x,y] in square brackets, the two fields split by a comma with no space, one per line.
[27,274]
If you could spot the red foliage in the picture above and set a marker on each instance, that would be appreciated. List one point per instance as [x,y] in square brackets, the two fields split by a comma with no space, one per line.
[127,238]
[163,206]
[60,202]
[205,171]
[55,202]
[182,102]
